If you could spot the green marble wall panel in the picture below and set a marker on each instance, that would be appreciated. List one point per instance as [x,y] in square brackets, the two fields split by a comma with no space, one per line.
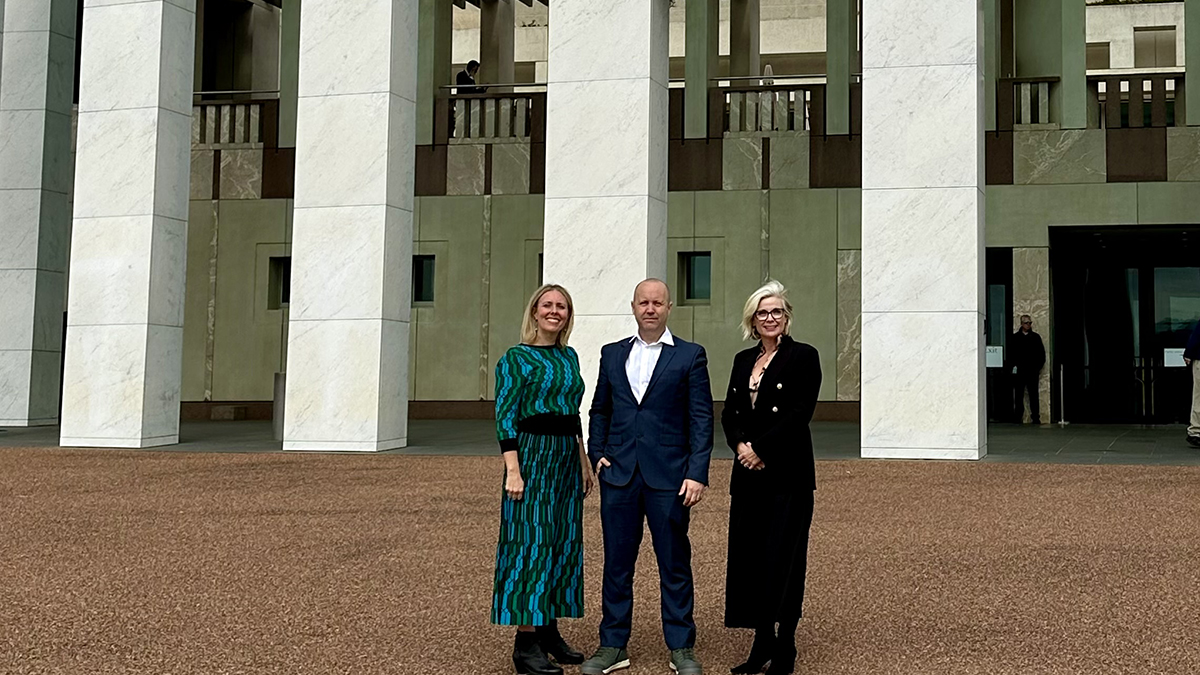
[465,169]
[247,335]
[804,257]
[729,224]
[789,161]
[1052,156]
[681,214]
[1031,295]
[741,163]
[201,222]
[1020,215]
[510,169]
[1168,204]
[516,242]
[1183,154]
[849,325]
[447,361]
[850,218]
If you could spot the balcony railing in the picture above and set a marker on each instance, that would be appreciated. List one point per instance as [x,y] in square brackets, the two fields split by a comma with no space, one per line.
[774,108]
[228,124]
[497,117]
[1028,98]
[1135,100]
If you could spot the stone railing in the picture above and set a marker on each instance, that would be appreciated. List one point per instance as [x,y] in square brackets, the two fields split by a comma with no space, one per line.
[1138,99]
[776,108]
[1029,98]
[497,118]
[230,124]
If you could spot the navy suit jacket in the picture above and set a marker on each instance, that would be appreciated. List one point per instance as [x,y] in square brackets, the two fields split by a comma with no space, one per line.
[669,436]
[1193,346]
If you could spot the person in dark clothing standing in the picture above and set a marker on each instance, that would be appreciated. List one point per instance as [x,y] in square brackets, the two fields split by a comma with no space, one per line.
[466,79]
[1028,356]
[1191,356]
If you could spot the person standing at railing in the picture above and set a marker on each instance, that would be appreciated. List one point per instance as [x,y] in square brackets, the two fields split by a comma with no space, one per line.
[466,79]
[1191,356]
[1028,356]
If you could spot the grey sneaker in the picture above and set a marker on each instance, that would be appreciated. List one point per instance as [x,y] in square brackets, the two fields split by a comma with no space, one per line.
[684,662]
[605,661]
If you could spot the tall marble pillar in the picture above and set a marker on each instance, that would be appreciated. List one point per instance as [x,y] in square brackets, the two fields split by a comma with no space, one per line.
[37,70]
[1191,45]
[606,162]
[436,28]
[744,40]
[347,383]
[121,387]
[922,231]
[289,71]
[1031,295]
[841,56]
[702,53]
[1071,94]
[497,38]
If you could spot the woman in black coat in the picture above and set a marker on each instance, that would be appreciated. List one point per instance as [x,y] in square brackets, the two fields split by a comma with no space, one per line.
[772,393]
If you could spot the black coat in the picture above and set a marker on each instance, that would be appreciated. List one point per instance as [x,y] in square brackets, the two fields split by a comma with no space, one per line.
[777,426]
[1027,352]
[770,510]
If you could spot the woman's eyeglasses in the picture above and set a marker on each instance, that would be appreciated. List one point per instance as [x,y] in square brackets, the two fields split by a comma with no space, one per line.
[762,314]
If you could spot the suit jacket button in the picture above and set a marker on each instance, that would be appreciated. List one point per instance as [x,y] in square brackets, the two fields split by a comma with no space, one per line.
[774,409]
[779,386]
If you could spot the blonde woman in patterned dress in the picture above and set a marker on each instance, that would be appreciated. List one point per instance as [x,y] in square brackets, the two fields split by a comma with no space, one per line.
[539,557]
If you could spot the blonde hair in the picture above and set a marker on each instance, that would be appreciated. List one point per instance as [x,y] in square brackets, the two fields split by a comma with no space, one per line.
[771,289]
[529,328]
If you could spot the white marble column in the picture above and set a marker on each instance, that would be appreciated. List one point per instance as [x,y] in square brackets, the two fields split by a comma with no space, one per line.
[703,55]
[744,41]
[606,162]
[37,71]
[128,246]
[922,231]
[347,376]
[497,39]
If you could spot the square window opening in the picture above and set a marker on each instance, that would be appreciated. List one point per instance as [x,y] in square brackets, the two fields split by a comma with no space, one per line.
[279,284]
[696,271]
[423,279]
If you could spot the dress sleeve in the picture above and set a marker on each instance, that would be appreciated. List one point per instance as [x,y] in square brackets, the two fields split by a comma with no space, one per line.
[509,382]
[579,376]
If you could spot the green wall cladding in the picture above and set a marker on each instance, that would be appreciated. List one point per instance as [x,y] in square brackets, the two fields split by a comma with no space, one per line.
[790,235]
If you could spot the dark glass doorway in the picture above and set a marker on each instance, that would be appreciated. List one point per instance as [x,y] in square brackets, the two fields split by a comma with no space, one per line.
[1125,302]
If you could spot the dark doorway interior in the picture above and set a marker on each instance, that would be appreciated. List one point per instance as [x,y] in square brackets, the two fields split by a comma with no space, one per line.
[1125,301]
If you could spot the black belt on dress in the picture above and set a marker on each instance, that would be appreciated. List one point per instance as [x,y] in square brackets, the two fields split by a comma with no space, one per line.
[548,424]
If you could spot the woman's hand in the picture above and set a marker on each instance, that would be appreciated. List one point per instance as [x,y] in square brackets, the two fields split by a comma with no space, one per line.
[514,485]
[747,458]
[588,480]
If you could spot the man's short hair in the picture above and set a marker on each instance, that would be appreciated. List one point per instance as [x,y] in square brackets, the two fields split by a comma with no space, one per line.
[472,64]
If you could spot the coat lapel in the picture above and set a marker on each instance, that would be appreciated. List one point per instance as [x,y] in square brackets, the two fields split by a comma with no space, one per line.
[664,360]
[621,375]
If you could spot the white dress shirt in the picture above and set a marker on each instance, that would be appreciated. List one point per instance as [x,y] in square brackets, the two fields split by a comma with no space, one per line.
[643,357]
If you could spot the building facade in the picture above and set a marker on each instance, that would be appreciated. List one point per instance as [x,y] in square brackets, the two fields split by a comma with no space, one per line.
[252,188]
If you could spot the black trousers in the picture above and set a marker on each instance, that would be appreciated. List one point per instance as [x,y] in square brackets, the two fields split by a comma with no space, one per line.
[1027,382]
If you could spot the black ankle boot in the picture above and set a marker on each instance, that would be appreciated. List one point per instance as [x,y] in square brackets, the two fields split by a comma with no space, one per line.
[553,644]
[528,657]
[783,657]
[760,653]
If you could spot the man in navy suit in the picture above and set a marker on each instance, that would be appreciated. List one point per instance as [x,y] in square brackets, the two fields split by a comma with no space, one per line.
[650,437]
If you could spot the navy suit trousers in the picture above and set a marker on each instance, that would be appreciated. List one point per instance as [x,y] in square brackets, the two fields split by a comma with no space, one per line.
[623,510]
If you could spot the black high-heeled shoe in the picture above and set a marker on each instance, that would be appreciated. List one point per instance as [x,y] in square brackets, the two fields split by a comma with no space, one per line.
[554,645]
[783,658]
[528,657]
[760,654]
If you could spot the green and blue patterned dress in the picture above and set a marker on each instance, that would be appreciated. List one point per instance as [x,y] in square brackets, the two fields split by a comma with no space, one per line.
[539,558]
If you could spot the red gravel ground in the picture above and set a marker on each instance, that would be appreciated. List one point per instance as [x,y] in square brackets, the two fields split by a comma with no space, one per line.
[154,562]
